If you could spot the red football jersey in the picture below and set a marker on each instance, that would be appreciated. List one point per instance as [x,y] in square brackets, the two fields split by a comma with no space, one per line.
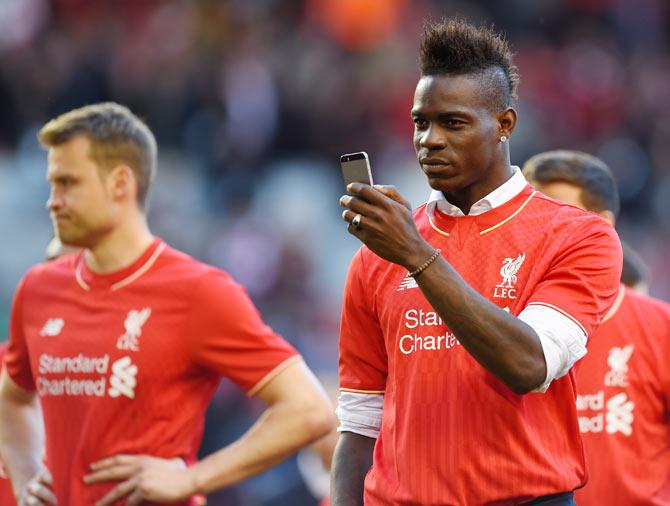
[623,403]
[452,433]
[128,362]
[6,492]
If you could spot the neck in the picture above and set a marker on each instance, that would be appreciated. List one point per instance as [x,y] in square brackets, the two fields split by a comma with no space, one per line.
[120,247]
[465,198]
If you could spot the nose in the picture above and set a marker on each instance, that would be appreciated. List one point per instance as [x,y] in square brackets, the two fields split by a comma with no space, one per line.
[55,201]
[432,138]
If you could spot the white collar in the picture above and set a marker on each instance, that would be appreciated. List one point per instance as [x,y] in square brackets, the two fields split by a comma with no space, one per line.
[504,193]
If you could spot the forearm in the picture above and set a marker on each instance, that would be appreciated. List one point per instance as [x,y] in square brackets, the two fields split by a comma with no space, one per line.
[21,440]
[277,434]
[351,462]
[506,346]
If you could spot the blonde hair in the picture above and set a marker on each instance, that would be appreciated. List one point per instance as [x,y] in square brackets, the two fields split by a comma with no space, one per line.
[117,137]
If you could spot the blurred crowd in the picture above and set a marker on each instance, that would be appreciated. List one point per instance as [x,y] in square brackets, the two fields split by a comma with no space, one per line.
[253,102]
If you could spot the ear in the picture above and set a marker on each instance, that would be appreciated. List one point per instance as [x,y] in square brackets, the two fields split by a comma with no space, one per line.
[121,182]
[608,216]
[506,122]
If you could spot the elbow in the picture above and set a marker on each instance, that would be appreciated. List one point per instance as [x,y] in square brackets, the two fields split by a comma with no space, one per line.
[527,380]
[324,421]
[317,419]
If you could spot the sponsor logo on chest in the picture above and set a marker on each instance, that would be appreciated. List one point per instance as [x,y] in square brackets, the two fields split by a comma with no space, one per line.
[419,336]
[92,375]
[506,288]
[614,414]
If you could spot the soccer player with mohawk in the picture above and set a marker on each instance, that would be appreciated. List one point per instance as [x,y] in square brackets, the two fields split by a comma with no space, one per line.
[462,320]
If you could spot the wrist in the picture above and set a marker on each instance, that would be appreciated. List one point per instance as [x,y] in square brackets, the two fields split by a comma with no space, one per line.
[417,257]
[195,482]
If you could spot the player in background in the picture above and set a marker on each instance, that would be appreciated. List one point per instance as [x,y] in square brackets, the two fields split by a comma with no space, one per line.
[623,383]
[461,321]
[635,273]
[125,343]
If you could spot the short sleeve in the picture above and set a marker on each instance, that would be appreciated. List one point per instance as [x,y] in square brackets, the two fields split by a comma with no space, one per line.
[17,359]
[583,280]
[363,361]
[228,336]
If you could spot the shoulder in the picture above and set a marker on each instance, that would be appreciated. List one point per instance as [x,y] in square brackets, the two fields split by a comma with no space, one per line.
[571,223]
[52,272]
[203,279]
[649,307]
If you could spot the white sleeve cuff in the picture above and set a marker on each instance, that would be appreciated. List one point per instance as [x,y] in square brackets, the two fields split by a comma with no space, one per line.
[360,413]
[563,340]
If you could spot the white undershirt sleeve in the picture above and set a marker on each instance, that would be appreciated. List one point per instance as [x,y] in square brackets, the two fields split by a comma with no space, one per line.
[360,413]
[563,340]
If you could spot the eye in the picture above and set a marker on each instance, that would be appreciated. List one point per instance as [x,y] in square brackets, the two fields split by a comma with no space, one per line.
[454,123]
[420,123]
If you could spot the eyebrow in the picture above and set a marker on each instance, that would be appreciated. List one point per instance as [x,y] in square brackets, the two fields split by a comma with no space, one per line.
[415,113]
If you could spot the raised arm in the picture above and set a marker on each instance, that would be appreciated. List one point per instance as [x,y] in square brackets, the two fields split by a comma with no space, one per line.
[506,346]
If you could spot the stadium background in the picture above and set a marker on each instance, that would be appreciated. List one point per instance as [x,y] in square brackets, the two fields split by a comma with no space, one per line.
[253,101]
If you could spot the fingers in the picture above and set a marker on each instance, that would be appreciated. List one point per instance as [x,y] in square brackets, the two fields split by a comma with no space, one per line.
[377,194]
[392,193]
[115,460]
[135,498]
[40,494]
[116,468]
[113,473]
[119,492]
[45,477]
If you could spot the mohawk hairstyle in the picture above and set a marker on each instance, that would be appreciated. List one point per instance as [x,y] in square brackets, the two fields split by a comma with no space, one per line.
[455,47]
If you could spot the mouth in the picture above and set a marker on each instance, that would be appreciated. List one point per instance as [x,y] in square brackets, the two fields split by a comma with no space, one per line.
[435,167]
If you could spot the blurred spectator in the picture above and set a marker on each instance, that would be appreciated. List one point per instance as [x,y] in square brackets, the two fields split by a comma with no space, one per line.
[253,102]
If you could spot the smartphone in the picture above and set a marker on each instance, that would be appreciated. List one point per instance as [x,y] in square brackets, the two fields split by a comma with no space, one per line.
[356,168]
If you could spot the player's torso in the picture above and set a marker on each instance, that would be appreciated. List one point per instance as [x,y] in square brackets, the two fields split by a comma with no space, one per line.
[440,405]
[114,375]
[622,407]
[503,268]
[93,348]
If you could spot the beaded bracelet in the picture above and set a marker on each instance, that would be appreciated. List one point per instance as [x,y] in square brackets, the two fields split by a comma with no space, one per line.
[423,266]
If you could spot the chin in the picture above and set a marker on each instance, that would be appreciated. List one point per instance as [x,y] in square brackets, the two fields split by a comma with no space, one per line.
[449,185]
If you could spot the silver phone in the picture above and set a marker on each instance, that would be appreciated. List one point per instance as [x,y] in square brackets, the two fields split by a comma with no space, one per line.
[356,168]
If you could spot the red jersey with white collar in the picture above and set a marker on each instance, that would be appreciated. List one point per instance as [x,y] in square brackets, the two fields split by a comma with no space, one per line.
[451,432]
[128,362]
[623,403]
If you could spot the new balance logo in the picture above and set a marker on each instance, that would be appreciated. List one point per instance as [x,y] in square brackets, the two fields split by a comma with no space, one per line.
[133,325]
[407,283]
[52,327]
[620,415]
[123,379]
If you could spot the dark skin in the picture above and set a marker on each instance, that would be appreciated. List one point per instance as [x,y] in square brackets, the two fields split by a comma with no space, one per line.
[457,141]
